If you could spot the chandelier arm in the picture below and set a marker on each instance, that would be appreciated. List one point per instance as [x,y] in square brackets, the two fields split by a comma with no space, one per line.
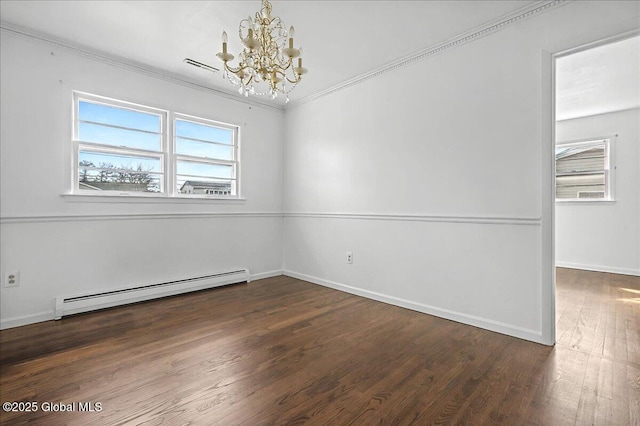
[235,72]
[230,68]
[296,81]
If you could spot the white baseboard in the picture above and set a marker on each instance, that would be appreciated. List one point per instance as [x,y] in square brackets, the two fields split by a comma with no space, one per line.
[484,323]
[26,320]
[597,268]
[49,316]
[268,274]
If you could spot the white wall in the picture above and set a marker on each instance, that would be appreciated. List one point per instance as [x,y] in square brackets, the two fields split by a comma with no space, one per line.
[69,245]
[437,177]
[604,236]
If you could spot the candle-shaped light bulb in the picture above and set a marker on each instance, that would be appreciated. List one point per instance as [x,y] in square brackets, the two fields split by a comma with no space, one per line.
[224,56]
[299,62]
[224,42]
[292,32]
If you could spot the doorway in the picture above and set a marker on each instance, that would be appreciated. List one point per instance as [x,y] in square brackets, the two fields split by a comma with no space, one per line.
[596,206]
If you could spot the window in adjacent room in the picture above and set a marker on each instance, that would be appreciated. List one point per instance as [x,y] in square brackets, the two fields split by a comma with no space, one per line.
[583,170]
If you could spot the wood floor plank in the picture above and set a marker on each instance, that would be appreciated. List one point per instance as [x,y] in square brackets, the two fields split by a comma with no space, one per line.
[284,351]
[633,387]
[589,393]
[620,395]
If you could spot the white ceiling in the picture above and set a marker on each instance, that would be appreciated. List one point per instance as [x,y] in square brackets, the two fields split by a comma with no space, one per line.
[599,80]
[341,39]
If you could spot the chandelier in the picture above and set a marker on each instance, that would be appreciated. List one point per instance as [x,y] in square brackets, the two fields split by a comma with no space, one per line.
[266,63]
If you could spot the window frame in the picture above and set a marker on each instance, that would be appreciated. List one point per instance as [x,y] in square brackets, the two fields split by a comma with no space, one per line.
[167,154]
[608,169]
[235,163]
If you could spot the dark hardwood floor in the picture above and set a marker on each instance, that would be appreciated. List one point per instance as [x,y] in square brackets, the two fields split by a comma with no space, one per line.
[283,351]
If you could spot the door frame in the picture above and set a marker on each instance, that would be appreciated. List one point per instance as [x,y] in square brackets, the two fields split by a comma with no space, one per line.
[548,204]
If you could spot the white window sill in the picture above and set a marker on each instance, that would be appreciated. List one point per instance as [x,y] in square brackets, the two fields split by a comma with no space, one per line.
[133,198]
[586,201]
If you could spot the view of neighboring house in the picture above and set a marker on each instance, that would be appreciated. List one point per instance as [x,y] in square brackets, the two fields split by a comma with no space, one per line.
[207,188]
[581,170]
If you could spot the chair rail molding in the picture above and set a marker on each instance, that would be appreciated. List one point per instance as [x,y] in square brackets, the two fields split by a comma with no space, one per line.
[103,217]
[494,220]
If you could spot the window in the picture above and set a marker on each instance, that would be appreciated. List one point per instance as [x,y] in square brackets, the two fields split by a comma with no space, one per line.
[582,170]
[123,149]
[206,157]
[119,147]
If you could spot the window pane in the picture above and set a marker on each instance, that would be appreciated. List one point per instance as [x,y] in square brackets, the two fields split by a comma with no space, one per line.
[571,164]
[203,149]
[203,132]
[580,158]
[122,162]
[581,186]
[88,111]
[109,180]
[205,186]
[97,133]
[195,169]
[586,150]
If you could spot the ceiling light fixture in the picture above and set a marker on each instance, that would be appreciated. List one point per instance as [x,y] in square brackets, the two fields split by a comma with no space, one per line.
[266,64]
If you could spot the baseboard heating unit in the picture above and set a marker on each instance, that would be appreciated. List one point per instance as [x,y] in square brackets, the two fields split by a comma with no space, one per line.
[106,299]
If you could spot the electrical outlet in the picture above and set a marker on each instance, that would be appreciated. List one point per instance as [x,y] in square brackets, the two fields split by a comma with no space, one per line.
[12,279]
[349,257]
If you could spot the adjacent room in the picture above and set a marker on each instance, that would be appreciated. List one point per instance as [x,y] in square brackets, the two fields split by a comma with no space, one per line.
[320,212]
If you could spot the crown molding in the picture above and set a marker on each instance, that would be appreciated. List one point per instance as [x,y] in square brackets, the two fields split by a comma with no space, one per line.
[595,114]
[464,38]
[127,64]
[459,40]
